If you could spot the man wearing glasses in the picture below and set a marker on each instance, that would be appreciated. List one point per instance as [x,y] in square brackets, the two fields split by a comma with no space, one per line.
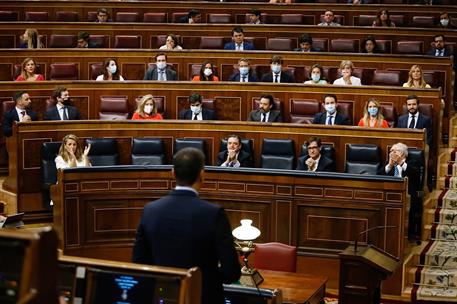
[315,161]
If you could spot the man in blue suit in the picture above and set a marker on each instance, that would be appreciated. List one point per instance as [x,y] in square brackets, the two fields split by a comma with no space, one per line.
[238,43]
[20,113]
[416,120]
[245,73]
[181,230]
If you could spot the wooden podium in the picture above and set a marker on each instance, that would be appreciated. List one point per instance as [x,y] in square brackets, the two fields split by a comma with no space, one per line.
[361,273]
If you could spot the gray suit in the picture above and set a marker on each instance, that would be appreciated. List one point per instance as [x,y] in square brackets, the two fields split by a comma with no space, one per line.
[152,74]
[275,116]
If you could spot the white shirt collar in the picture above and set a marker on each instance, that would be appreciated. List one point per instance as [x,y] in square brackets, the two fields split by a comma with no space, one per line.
[187,188]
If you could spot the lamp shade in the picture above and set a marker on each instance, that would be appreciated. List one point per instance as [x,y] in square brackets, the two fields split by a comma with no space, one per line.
[246,232]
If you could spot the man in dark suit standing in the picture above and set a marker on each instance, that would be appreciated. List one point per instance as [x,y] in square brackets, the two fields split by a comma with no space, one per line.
[234,156]
[161,71]
[276,74]
[238,43]
[20,112]
[181,230]
[416,120]
[265,113]
[63,110]
[196,110]
[315,161]
[244,73]
[331,116]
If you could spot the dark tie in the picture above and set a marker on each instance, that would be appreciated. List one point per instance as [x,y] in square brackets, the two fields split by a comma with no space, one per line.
[22,115]
[412,124]
[264,117]
[195,116]
[276,78]
[329,120]
[243,79]
[64,114]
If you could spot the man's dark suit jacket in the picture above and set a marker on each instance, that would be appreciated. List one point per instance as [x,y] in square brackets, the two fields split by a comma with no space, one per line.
[236,77]
[313,49]
[411,172]
[184,19]
[243,157]
[423,121]
[247,46]
[432,52]
[152,74]
[340,119]
[11,116]
[256,115]
[181,230]
[53,113]
[325,164]
[285,77]
[207,114]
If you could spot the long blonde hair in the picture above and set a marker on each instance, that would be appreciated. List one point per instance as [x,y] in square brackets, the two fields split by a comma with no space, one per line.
[410,83]
[33,40]
[366,115]
[142,103]
[24,73]
[63,152]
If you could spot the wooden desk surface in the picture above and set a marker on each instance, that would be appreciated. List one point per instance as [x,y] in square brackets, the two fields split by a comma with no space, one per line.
[295,287]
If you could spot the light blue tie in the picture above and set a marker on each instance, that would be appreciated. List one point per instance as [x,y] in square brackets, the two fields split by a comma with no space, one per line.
[396,171]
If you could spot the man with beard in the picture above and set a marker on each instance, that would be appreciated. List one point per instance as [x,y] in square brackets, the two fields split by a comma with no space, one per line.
[20,113]
[265,113]
[63,110]
[416,120]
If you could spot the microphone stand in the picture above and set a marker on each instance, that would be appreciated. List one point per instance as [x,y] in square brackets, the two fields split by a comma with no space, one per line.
[368,230]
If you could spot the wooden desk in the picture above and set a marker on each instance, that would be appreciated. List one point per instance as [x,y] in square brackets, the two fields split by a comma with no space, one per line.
[296,288]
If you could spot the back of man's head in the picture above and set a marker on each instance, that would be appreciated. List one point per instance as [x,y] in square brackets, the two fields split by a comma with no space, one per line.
[187,165]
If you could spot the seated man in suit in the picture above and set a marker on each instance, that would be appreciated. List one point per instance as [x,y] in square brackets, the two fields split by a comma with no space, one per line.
[265,113]
[329,16]
[315,161]
[84,41]
[102,15]
[244,73]
[20,112]
[161,71]
[416,120]
[440,49]
[331,116]
[196,110]
[305,41]
[276,74]
[194,16]
[63,110]
[238,43]
[234,156]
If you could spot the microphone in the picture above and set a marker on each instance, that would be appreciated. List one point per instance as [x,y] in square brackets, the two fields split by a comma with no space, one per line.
[368,230]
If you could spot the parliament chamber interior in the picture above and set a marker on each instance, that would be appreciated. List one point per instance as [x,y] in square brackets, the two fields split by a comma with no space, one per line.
[134,82]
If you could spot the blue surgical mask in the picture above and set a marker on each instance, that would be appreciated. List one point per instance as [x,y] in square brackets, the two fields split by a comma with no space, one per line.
[112,69]
[276,68]
[444,22]
[244,70]
[316,77]
[330,108]
[373,111]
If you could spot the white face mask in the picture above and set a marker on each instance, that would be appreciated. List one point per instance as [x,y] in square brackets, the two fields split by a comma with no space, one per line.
[330,108]
[148,109]
[244,70]
[161,65]
[276,68]
[315,77]
[112,69]
[444,22]
[208,72]
[196,109]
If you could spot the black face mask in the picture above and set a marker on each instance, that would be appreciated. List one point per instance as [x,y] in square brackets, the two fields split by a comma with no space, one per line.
[67,101]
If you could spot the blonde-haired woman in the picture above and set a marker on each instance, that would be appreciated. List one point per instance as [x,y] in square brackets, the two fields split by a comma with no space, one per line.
[346,69]
[416,78]
[147,109]
[71,154]
[372,116]
[28,71]
[30,39]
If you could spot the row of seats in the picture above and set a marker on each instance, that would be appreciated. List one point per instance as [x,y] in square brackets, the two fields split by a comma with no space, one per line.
[419,21]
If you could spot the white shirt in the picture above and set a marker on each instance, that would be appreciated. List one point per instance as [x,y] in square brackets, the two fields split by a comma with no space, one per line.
[62,164]
[439,53]
[100,78]
[199,115]
[236,164]
[176,48]
[60,109]
[317,164]
[267,115]
[354,80]
[400,168]
[186,188]
[274,77]
[19,114]
[164,74]
[246,78]
[416,117]
[239,47]
[333,119]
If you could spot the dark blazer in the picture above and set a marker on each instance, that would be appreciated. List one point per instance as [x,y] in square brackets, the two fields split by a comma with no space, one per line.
[247,46]
[313,49]
[340,119]
[285,77]
[432,52]
[53,113]
[255,115]
[423,121]
[236,77]
[151,74]
[325,164]
[184,19]
[11,116]
[411,172]
[207,114]
[243,157]
[181,230]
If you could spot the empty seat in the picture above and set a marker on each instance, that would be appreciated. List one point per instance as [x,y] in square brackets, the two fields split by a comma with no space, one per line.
[346,107]
[49,151]
[101,41]
[423,21]
[36,16]
[386,78]
[91,16]
[417,157]
[344,45]
[384,46]
[197,143]
[410,47]
[321,43]
[148,151]
[64,71]
[95,69]
[127,42]
[284,257]
[127,17]
[113,108]
[366,20]
[219,18]
[9,16]
[63,41]
[67,16]
[178,15]
[103,151]
[399,20]
[155,17]
[281,44]
[291,19]
[211,43]
[303,110]
[390,113]
[278,154]
[363,159]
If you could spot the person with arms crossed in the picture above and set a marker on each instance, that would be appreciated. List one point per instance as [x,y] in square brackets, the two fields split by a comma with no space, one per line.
[234,156]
